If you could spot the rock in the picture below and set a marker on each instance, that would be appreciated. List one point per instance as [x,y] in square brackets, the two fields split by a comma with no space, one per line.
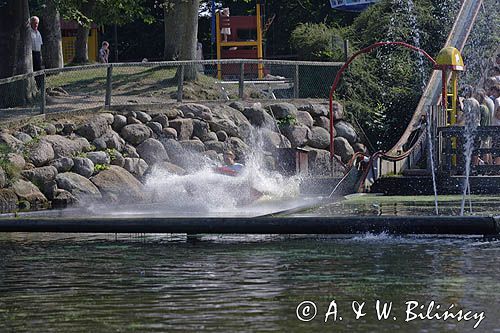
[82,144]
[133,121]
[226,125]
[23,137]
[117,158]
[338,111]
[117,183]
[110,118]
[130,151]
[131,114]
[63,199]
[80,187]
[68,128]
[10,141]
[345,130]
[152,151]
[3,179]
[40,176]
[232,121]
[32,130]
[343,149]
[155,127]
[304,118]
[162,119]
[8,200]
[193,145]
[221,136]
[172,113]
[320,138]
[113,140]
[59,128]
[198,110]
[323,122]
[315,110]
[62,164]
[360,148]
[49,189]
[143,117]
[217,146]
[283,110]
[174,151]
[83,166]
[298,135]
[170,133]
[319,162]
[99,157]
[165,167]
[99,144]
[41,153]
[184,128]
[136,166]
[272,140]
[119,122]
[50,129]
[136,133]
[25,190]
[211,136]
[237,106]
[201,129]
[258,117]
[64,147]
[16,160]
[93,128]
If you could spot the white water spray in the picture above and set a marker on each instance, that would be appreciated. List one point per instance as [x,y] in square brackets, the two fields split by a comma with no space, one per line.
[471,123]
[431,158]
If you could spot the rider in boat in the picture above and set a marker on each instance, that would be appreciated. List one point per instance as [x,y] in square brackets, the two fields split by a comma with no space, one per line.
[230,168]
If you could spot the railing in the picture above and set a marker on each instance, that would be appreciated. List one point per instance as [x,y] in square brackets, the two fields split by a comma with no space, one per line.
[159,82]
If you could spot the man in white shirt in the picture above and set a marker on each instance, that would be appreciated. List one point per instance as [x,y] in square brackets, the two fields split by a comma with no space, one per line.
[36,40]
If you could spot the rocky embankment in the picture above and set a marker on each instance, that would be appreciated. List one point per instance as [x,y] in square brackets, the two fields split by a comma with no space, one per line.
[107,157]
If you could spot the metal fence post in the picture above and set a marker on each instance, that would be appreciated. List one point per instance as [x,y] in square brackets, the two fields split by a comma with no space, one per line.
[346,49]
[109,86]
[180,84]
[296,82]
[242,80]
[43,102]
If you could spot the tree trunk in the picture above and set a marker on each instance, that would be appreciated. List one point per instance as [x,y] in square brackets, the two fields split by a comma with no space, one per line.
[82,34]
[15,53]
[50,28]
[173,23]
[189,38]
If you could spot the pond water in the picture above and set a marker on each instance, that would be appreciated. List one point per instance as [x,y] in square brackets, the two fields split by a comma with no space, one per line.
[165,283]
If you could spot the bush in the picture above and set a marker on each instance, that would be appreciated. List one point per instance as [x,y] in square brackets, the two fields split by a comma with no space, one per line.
[317,42]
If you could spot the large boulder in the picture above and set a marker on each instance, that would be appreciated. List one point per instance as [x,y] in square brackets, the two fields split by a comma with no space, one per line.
[155,127]
[83,166]
[64,147]
[193,145]
[272,140]
[198,110]
[345,130]
[232,121]
[99,157]
[215,145]
[79,186]
[319,163]
[41,153]
[323,122]
[338,111]
[172,113]
[226,125]
[10,141]
[118,185]
[119,122]
[174,151]
[258,116]
[117,158]
[63,199]
[165,167]
[201,129]
[320,138]
[152,151]
[62,164]
[315,110]
[40,176]
[26,190]
[32,130]
[143,116]
[136,166]
[93,128]
[240,148]
[136,133]
[130,151]
[298,135]
[16,160]
[283,110]
[8,200]
[169,133]
[304,118]
[23,137]
[113,140]
[162,119]
[184,128]
[343,149]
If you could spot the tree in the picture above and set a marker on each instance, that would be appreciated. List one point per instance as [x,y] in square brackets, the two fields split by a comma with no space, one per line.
[50,28]
[81,43]
[15,52]
[173,29]
[189,38]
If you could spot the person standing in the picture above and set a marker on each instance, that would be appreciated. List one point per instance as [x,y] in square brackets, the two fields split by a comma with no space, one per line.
[36,42]
[104,53]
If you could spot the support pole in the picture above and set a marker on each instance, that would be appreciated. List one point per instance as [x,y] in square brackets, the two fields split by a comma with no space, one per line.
[260,67]
[180,84]
[109,86]
[242,80]
[296,82]
[346,50]
[43,102]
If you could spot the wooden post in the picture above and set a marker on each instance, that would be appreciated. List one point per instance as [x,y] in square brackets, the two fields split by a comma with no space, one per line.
[260,66]
[346,50]
[242,80]
[109,86]
[218,46]
[296,82]
[180,84]
[43,102]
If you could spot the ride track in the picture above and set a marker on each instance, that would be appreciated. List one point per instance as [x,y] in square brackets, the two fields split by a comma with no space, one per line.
[457,37]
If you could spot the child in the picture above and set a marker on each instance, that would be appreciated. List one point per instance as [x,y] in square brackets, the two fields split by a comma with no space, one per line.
[224,21]
[104,53]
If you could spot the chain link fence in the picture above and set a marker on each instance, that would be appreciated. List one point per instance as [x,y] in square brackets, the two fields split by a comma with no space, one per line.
[99,85]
